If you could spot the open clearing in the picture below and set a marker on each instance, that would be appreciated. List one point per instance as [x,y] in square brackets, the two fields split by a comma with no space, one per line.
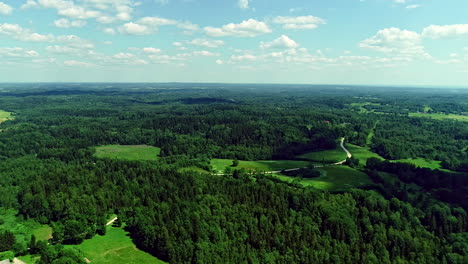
[327,156]
[362,153]
[128,152]
[440,116]
[422,163]
[263,165]
[4,116]
[334,178]
[115,247]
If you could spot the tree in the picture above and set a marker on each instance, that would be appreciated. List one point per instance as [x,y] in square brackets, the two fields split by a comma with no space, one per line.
[235,163]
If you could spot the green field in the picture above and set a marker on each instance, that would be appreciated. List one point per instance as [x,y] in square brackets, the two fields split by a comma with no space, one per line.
[422,163]
[219,165]
[4,116]
[193,169]
[361,108]
[440,116]
[115,247]
[128,152]
[43,232]
[335,178]
[328,156]
[362,153]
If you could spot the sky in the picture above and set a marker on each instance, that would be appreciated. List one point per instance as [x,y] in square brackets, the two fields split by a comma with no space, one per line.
[373,42]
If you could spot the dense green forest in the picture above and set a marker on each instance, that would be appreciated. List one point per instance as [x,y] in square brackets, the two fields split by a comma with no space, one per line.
[50,173]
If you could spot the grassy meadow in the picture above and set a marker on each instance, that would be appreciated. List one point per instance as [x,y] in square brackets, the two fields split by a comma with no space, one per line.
[334,178]
[115,247]
[4,116]
[219,165]
[128,152]
[327,156]
[440,116]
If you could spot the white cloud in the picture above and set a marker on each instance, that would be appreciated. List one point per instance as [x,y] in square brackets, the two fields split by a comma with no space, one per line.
[243,4]
[299,22]
[437,31]
[156,21]
[75,42]
[248,28]
[104,11]
[17,32]
[29,4]
[17,53]
[209,43]
[413,6]
[135,29]
[219,62]
[283,42]
[205,53]
[149,25]
[394,40]
[162,2]
[150,50]
[74,63]
[109,31]
[244,57]
[5,9]
[65,23]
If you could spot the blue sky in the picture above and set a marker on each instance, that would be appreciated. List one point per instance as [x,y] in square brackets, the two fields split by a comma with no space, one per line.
[381,42]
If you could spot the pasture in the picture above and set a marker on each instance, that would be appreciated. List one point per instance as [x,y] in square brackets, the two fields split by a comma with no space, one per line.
[326,156]
[114,247]
[362,153]
[441,116]
[219,165]
[4,116]
[128,152]
[334,178]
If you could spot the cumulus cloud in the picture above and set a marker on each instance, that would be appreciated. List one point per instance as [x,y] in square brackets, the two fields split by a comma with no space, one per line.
[19,33]
[5,9]
[413,6]
[149,25]
[283,42]
[247,28]
[135,29]
[243,4]
[299,22]
[17,52]
[65,23]
[74,63]
[151,50]
[244,57]
[209,43]
[29,4]
[438,31]
[396,41]
[205,53]
[109,31]
[104,11]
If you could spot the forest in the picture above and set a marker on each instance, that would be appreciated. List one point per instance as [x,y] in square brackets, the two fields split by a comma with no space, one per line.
[179,209]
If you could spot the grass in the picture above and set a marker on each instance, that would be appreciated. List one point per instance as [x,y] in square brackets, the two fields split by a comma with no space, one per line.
[361,108]
[335,178]
[43,232]
[328,156]
[4,116]
[422,163]
[128,152]
[193,169]
[362,153]
[28,259]
[440,116]
[263,165]
[371,134]
[115,247]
